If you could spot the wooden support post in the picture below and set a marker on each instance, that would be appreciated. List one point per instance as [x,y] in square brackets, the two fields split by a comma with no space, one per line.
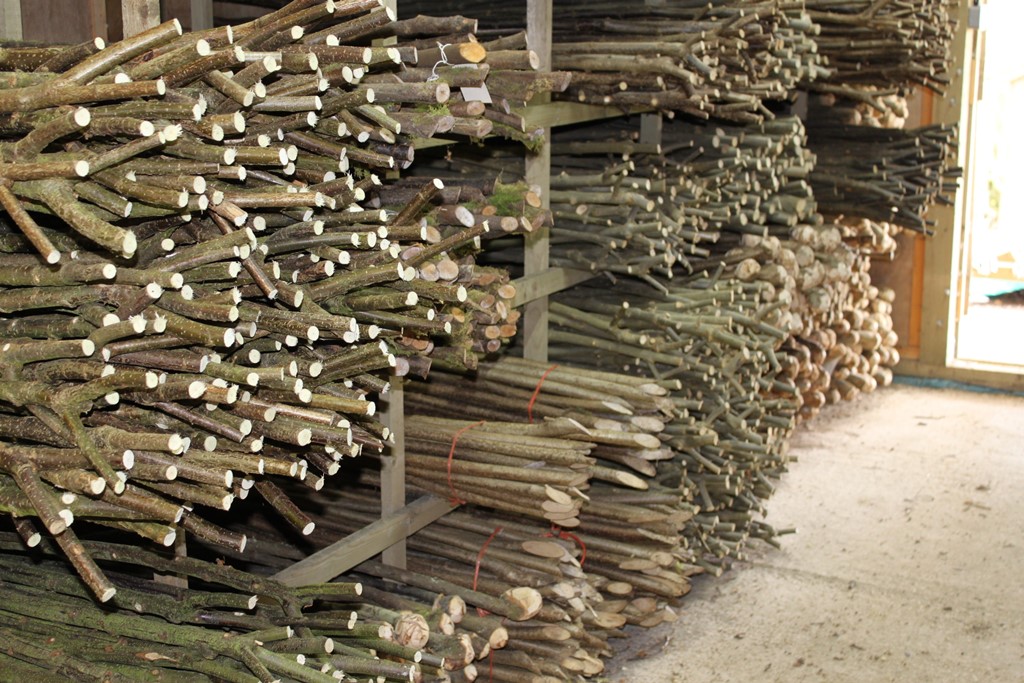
[10,20]
[392,476]
[202,14]
[139,15]
[650,129]
[938,307]
[538,173]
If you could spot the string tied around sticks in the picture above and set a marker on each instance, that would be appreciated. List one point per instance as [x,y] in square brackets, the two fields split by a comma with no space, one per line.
[559,532]
[479,559]
[454,499]
[444,60]
[536,392]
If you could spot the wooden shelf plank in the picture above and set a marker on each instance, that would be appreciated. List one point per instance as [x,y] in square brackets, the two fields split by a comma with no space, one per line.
[326,564]
[555,114]
[539,285]
[427,143]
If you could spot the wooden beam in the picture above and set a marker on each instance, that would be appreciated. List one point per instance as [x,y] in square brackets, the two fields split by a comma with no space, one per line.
[942,256]
[555,114]
[338,558]
[533,287]
[538,174]
[650,129]
[989,375]
[10,19]
[139,15]
[392,475]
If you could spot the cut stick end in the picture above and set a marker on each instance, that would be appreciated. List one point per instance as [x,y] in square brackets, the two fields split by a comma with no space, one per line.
[129,244]
[308,529]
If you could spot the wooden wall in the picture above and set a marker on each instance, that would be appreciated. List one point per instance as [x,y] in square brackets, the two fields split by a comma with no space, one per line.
[64,21]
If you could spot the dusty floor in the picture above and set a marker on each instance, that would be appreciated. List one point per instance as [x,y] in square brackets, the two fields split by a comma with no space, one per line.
[908,564]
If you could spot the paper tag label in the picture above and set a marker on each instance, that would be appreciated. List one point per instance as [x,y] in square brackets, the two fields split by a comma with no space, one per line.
[480,94]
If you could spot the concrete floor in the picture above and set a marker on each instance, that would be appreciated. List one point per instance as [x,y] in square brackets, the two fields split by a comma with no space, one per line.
[908,564]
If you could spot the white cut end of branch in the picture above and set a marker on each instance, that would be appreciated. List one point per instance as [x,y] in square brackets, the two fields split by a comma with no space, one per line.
[67,517]
[97,486]
[196,388]
[161,87]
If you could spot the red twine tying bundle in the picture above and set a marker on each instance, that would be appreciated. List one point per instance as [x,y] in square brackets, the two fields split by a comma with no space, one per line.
[557,532]
[454,499]
[536,392]
[479,559]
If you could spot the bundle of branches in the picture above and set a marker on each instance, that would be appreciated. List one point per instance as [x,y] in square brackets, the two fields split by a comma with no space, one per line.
[551,618]
[631,521]
[720,59]
[557,626]
[718,339]
[872,107]
[486,79]
[186,316]
[853,348]
[884,43]
[666,210]
[227,625]
[889,175]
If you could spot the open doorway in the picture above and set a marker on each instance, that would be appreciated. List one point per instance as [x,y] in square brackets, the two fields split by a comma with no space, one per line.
[992,312]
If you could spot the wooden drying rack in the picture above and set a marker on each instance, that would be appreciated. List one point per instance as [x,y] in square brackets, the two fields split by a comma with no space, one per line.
[399,519]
